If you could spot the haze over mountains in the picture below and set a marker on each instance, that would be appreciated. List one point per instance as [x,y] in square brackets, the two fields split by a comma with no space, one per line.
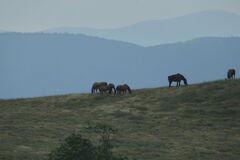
[155,32]
[40,64]
[1,30]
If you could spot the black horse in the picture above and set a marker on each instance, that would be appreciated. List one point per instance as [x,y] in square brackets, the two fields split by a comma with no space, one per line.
[231,73]
[177,78]
[123,88]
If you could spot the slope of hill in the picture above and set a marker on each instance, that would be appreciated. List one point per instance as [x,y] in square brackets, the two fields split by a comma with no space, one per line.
[39,64]
[202,24]
[197,122]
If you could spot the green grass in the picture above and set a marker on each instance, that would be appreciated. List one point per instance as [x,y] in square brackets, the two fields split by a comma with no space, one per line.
[197,122]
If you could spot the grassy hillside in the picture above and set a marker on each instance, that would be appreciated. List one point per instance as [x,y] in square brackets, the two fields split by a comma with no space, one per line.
[198,122]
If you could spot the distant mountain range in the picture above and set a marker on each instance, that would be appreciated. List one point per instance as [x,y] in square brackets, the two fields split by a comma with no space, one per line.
[155,32]
[39,64]
[2,31]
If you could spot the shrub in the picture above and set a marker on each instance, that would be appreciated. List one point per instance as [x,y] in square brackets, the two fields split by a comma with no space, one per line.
[74,148]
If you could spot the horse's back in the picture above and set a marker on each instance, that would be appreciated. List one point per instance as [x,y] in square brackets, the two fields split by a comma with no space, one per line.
[174,77]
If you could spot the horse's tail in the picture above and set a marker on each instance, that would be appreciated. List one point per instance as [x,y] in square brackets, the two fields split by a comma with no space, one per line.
[92,89]
[169,79]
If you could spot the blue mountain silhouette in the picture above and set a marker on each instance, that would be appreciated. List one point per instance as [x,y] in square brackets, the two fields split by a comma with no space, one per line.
[147,33]
[39,64]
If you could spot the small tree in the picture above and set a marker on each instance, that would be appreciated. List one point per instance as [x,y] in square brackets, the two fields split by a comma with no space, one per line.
[77,148]
[105,148]
[74,148]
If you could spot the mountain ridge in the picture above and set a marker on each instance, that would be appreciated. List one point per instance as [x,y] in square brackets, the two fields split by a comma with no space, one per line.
[45,64]
[183,28]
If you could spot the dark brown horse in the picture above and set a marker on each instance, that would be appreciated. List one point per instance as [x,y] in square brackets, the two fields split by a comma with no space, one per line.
[109,88]
[97,85]
[177,78]
[123,88]
[231,73]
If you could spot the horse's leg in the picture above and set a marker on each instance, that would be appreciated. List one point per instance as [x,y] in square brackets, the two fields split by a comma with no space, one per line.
[170,83]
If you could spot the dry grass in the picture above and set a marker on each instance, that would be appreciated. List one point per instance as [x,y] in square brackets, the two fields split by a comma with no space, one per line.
[198,122]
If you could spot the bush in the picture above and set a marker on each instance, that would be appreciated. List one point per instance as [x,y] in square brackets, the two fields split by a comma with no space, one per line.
[77,148]
[74,148]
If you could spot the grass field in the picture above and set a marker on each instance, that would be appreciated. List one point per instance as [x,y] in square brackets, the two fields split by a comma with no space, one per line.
[197,122]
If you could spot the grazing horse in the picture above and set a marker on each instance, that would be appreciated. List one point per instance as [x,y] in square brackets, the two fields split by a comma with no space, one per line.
[97,85]
[177,78]
[231,73]
[109,88]
[123,88]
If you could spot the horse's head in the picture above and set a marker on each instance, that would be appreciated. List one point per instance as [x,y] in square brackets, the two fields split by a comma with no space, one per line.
[128,88]
[111,86]
[185,81]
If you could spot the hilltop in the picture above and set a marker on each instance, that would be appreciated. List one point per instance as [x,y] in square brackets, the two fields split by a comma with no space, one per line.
[40,64]
[197,122]
[155,32]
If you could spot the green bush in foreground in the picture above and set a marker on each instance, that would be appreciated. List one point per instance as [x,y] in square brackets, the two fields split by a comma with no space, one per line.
[75,147]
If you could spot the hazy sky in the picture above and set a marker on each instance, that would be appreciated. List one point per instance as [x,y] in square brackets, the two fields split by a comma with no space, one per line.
[36,15]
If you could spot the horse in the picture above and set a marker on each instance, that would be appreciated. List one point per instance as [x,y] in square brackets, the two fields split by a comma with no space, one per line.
[97,85]
[123,88]
[109,88]
[231,73]
[177,78]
